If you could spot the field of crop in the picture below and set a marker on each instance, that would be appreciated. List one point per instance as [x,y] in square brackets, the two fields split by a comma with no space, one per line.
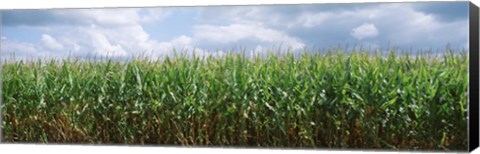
[336,100]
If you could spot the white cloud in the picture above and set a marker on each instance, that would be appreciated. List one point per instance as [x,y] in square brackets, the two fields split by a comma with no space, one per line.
[113,32]
[314,19]
[105,17]
[178,43]
[50,43]
[104,47]
[117,42]
[20,49]
[241,15]
[155,14]
[70,43]
[236,32]
[182,40]
[4,38]
[123,40]
[421,29]
[116,17]
[400,24]
[184,45]
[129,37]
[366,30]
[119,31]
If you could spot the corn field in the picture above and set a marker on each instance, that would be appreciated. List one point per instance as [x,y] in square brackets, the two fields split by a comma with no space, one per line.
[314,100]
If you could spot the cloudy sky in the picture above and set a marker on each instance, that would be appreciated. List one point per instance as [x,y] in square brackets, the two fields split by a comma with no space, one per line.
[217,29]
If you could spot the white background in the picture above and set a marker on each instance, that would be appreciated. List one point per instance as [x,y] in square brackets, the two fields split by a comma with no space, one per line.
[84,149]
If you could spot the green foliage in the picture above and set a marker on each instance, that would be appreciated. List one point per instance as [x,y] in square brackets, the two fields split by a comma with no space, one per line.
[336,100]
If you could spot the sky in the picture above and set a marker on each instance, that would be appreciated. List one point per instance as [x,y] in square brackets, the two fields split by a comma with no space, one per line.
[216,30]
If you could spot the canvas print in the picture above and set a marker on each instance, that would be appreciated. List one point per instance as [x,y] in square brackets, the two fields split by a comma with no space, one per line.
[382,76]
